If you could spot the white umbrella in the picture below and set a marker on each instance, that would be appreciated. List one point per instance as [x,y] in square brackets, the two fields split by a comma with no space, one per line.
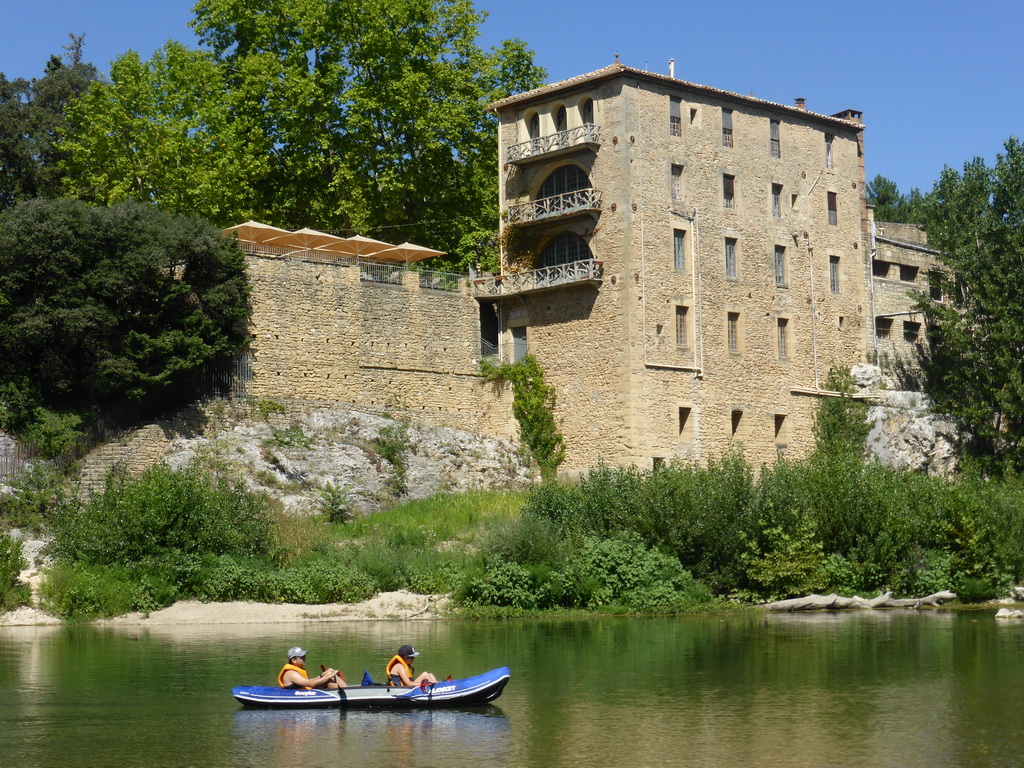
[407,252]
[254,232]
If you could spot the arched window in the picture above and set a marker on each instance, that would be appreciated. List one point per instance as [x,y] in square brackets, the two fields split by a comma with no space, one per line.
[534,127]
[561,120]
[567,178]
[587,112]
[565,248]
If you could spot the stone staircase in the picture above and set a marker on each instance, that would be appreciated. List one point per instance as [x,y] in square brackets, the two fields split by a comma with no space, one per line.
[135,452]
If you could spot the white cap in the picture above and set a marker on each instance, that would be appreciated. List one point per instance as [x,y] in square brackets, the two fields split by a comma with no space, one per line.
[296,651]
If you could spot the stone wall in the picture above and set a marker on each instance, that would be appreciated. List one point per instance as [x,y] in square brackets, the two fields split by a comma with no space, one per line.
[322,333]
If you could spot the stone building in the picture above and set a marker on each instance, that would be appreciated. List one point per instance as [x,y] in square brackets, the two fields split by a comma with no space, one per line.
[686,263]
[902,266]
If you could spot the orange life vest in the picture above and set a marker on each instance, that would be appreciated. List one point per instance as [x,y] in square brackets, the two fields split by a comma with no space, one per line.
[391,665]
[285,668]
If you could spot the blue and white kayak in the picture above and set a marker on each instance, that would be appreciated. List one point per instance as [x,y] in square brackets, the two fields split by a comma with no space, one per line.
[480,689]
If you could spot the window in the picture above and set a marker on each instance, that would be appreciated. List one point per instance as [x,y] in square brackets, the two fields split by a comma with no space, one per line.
[935,285]
[908,274]
[726,127]
[880,268]
[564,248]
[682,331]
[833,273]
[534,126]
[833,209]
[677,182]
[730,257]
[679,249]
[777,201]
[782,328]
[685,423]
[776,148]
[732,322]
[518,343]
[561,120]
[911,332]
[693,115]
[736,423]
[780,266]
[781,429]
[675,116]
[587,112]
[728,191]
[567,178]
[828,151]
[883,327]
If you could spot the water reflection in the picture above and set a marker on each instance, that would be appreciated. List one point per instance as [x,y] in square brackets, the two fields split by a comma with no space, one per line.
[456,737]
[894,688]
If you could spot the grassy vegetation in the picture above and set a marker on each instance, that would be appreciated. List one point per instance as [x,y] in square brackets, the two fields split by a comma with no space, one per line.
[620,540]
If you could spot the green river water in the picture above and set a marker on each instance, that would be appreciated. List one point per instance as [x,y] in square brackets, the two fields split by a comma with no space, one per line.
[870,688]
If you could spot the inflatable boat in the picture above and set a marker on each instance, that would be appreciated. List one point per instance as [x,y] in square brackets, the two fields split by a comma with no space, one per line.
[480,689]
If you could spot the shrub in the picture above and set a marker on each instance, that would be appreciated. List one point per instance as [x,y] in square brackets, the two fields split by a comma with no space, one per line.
[160,513]
[336,504]
[81,592]
[37,493]
[12,562]
[391,444]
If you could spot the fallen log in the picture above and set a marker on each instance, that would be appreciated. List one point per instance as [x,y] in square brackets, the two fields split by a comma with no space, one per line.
[835,602]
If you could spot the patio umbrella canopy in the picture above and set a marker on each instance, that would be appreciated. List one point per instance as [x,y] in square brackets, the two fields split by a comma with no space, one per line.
[254,232]
[407,252]
[312,239]
[367,246]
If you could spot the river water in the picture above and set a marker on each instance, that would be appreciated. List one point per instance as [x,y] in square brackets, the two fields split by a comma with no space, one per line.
[869,688]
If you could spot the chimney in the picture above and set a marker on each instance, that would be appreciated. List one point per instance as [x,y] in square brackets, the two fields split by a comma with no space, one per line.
[671,67]
[801,104]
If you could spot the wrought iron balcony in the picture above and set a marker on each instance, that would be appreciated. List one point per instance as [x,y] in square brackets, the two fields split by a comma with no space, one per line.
[568,203]
[585,271]
[587,135]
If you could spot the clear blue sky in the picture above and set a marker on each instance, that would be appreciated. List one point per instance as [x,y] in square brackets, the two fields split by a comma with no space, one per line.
[938,82]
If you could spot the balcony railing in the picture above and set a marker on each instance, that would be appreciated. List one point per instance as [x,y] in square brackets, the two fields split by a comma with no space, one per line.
[580,201]
[587,270]
[543,145]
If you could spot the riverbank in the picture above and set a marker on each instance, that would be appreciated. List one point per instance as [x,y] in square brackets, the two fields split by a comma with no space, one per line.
[387,606]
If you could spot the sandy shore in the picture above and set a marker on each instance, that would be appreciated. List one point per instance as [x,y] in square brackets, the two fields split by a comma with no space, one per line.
[394,606]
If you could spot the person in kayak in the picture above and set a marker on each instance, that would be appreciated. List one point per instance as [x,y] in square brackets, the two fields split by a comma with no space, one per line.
[294,675]
[399,671]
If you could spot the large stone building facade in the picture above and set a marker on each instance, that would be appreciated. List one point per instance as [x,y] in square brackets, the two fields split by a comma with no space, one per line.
[686,264]
[728,277]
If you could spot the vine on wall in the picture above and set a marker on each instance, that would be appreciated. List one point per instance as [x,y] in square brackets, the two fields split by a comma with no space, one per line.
[533,404]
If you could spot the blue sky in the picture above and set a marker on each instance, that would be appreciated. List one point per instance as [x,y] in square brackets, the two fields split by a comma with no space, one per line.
[939,82]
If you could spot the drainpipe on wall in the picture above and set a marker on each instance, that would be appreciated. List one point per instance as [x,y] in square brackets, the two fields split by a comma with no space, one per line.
[871,283]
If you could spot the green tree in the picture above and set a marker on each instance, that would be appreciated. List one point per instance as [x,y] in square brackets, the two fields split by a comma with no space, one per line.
[108,303]
[354,115]
[892,205]
[32,115]
[975,367]
[160,131]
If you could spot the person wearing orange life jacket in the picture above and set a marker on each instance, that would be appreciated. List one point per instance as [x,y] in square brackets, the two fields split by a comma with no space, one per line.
[294,675]
[399,671]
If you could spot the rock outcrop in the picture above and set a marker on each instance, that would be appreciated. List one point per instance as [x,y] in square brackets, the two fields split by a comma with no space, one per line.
[904,431]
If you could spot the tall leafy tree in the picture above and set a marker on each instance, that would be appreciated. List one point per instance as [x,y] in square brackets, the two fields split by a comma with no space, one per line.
[345,115]
[32,115]
[107,303]
[892,205]
[160,131]
[975,369]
